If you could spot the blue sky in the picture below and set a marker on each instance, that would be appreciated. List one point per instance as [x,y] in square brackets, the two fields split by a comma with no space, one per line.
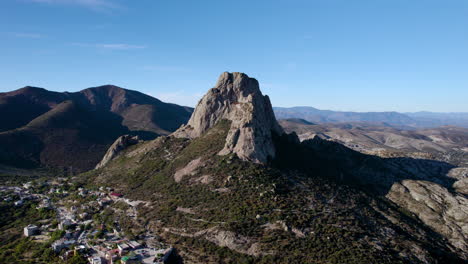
[356,55]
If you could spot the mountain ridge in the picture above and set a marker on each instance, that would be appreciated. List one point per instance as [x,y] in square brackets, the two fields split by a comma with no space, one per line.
[81,124]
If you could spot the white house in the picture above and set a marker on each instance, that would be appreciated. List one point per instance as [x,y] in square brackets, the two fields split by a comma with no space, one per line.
[30,230]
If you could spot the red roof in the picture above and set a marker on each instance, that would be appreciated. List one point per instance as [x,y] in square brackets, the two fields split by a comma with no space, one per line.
[114,251]
[116,194]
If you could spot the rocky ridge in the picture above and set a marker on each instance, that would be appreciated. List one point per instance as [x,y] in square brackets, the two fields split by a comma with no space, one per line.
[120,144]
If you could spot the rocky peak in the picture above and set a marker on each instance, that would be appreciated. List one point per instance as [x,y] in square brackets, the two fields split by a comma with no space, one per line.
[237,98]
[118,146]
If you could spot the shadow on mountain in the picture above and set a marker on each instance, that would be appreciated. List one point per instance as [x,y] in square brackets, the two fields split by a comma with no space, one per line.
[372,173]
[144,135]
[68,130]
[72,131]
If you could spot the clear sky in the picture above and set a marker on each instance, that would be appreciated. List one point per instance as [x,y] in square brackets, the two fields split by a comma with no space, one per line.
[356,55]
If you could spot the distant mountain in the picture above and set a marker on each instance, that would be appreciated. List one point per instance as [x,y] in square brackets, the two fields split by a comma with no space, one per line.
[298,121]
[431,119]
[395,119]
[63,130]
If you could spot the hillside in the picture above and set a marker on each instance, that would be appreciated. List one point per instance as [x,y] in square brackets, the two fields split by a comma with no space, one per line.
[21,106]
[447,143]
[72,131]
[210,191]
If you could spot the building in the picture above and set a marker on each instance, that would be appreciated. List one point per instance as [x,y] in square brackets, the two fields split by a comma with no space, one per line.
[130,259]
[134,245]
[166,255]
[60,244]
[31,230]
[116,195]
[83,215]
[103,202]
[112,255]
[81,249]
[69,254]
[123,248]
[95,259]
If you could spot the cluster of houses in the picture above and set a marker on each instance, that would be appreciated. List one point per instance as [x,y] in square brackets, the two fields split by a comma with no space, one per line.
[133,252]
[23,193]
[123,250]
[19,194]
[110,248]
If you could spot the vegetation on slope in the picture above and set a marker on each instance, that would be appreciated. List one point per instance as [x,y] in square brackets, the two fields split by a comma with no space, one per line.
[224,210]
[14,248]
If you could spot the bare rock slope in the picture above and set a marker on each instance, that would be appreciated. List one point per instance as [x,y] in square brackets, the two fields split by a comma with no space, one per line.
[442,210]
[237,98]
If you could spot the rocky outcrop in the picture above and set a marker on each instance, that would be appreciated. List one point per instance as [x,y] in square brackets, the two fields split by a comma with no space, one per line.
[120,144]
[237,98]
[443,211]
[223,238]
[188,170]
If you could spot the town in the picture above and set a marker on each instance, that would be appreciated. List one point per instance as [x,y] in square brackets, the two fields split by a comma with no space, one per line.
[78,227]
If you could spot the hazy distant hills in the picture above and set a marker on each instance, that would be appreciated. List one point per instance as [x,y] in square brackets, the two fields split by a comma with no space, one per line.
[40,127]
[431,119]
[401,120]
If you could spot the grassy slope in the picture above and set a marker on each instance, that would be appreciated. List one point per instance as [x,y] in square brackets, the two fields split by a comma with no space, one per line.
[342,224]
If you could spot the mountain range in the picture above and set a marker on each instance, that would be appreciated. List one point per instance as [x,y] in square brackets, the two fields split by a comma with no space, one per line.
[72,131]
[41,128]
[395,119]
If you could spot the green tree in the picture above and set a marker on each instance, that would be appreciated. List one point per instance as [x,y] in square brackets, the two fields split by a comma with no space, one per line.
[77,259]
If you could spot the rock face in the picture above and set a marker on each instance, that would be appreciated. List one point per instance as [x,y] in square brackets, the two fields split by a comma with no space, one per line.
[445,212]
[237,98]
[120,144]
